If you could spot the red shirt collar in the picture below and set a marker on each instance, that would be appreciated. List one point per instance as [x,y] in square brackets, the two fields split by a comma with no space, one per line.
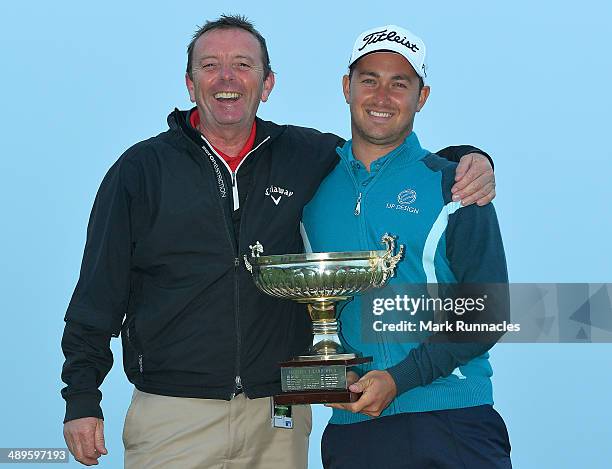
[232,161]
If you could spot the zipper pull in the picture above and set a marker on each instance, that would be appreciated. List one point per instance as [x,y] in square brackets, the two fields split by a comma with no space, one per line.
[237,388]
[358,206]
[235,191]
[236,261]
[140,362]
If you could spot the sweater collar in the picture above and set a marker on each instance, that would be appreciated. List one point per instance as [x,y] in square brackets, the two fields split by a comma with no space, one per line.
[409,151]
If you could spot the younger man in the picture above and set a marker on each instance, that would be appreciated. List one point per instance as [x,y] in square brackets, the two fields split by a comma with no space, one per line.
[435,399]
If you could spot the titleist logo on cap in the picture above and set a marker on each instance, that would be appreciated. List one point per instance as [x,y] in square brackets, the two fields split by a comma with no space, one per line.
[392,36]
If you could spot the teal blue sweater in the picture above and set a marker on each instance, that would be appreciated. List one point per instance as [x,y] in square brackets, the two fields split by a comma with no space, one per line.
[407,194]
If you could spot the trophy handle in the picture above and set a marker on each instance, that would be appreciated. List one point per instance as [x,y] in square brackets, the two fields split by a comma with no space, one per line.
[256,250]
[389,260]
[247,264]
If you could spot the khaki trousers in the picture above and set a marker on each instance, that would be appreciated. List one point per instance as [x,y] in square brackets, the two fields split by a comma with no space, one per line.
[184,433]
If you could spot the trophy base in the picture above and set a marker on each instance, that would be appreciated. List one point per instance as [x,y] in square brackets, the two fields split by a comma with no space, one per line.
[316,397]
[346,359]
[317,380]
[325,358]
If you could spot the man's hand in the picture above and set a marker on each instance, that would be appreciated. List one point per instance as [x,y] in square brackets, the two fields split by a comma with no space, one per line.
[85,439]
[474,180]
[378,388]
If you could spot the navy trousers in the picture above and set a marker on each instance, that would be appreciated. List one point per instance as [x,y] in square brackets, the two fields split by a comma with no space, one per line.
[469,438]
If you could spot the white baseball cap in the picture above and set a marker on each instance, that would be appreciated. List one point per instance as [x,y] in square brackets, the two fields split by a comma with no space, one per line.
[393,39]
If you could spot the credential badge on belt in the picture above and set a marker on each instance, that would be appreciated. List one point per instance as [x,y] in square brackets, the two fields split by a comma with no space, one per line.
[281,415]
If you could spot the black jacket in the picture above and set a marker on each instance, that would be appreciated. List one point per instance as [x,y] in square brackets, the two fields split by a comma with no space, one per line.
[162,266]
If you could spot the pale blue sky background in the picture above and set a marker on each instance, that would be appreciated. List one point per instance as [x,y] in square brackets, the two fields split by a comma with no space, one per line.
[527,81]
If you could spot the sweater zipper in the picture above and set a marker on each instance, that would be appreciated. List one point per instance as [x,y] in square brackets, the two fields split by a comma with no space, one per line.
[382,342]
[358,206]
[359,195]
[358,200]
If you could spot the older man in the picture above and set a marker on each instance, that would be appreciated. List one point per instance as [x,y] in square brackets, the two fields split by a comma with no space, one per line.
[161,267]
[433,399]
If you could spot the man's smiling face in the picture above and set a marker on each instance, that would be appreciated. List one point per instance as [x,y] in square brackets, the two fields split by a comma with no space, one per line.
[384,94]
[227,78]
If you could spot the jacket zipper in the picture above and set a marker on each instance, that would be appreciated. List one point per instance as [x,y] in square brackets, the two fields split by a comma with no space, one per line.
[235,198]
[127,332]
[236,206]
[234,243]
[236,201]
[237,386]
[237,379]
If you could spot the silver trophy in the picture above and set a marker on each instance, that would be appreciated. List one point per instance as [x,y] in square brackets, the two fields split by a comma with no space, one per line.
[321,280]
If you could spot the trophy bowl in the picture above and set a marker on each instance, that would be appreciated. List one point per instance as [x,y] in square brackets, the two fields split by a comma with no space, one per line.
[316,277]
[321,280]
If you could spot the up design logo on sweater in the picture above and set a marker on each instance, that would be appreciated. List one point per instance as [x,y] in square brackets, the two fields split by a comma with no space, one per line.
[405,199]
[276,193]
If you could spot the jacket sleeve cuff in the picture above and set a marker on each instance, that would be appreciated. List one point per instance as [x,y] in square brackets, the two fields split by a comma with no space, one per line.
[455,153]
[406,375]
[471,149]
[84,405]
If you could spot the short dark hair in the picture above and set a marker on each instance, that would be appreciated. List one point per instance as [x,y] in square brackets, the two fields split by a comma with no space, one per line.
[227,22]
[352,68]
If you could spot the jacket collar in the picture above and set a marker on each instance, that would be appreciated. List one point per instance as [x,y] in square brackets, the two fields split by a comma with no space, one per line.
[177,121]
